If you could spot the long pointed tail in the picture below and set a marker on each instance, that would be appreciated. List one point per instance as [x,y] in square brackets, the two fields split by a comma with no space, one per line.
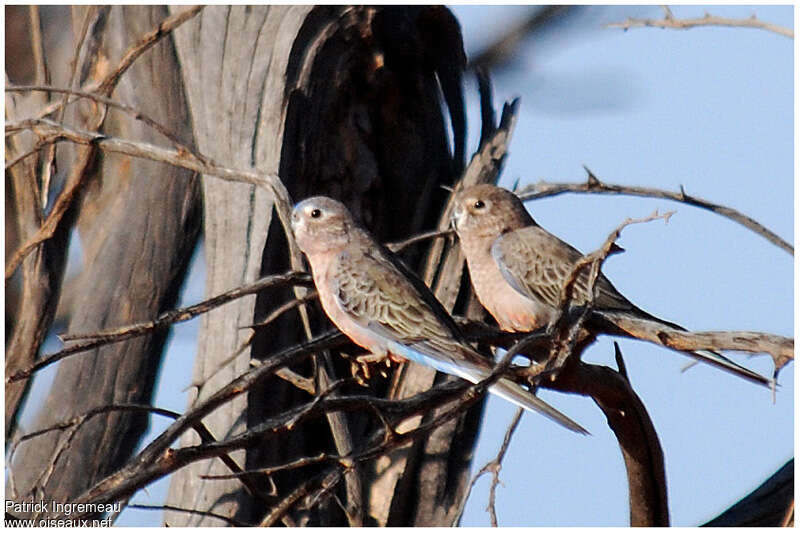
[508,390]
[473,368]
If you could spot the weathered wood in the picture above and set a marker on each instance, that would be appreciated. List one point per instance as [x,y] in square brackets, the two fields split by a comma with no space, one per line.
[232,60]
[138,224]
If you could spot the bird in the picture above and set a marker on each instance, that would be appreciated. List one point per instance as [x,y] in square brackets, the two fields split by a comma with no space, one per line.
[518,268]
[383,307]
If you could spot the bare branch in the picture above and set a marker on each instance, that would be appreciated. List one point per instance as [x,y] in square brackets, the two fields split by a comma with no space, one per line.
[165,320]
[494,467]
[544,189]
[82,418]
[157,460]
[131,474]
[229,520]
[292,465]
[780,348]
[328,479]
[77,421]
[708,20]
[187,313]
[435,234]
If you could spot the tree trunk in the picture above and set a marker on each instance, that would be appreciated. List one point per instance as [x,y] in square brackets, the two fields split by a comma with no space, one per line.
[138,224]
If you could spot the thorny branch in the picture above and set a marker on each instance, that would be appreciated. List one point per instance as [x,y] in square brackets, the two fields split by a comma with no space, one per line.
[593,185]
[669,21]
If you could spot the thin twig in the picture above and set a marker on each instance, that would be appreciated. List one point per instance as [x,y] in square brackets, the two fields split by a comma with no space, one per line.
[40,143]
[277,512]
[146,42]
[320,458]
[707,20]
[494,467]
[81,418]
[544,189]
[435,234]
[92,15]
[281,309]
[229,520]
[74,183]
[224,362]
[187,313]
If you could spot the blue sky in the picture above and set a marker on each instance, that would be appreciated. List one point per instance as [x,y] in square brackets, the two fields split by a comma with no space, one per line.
[710,109]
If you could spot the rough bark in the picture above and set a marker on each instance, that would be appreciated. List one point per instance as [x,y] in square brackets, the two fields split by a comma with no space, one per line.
[138,225]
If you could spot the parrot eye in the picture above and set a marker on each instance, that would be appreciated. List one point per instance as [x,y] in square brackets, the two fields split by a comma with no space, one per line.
[479,204]
[316,213]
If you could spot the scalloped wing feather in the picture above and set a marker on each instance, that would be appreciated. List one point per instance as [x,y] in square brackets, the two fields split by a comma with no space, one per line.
[536,263]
